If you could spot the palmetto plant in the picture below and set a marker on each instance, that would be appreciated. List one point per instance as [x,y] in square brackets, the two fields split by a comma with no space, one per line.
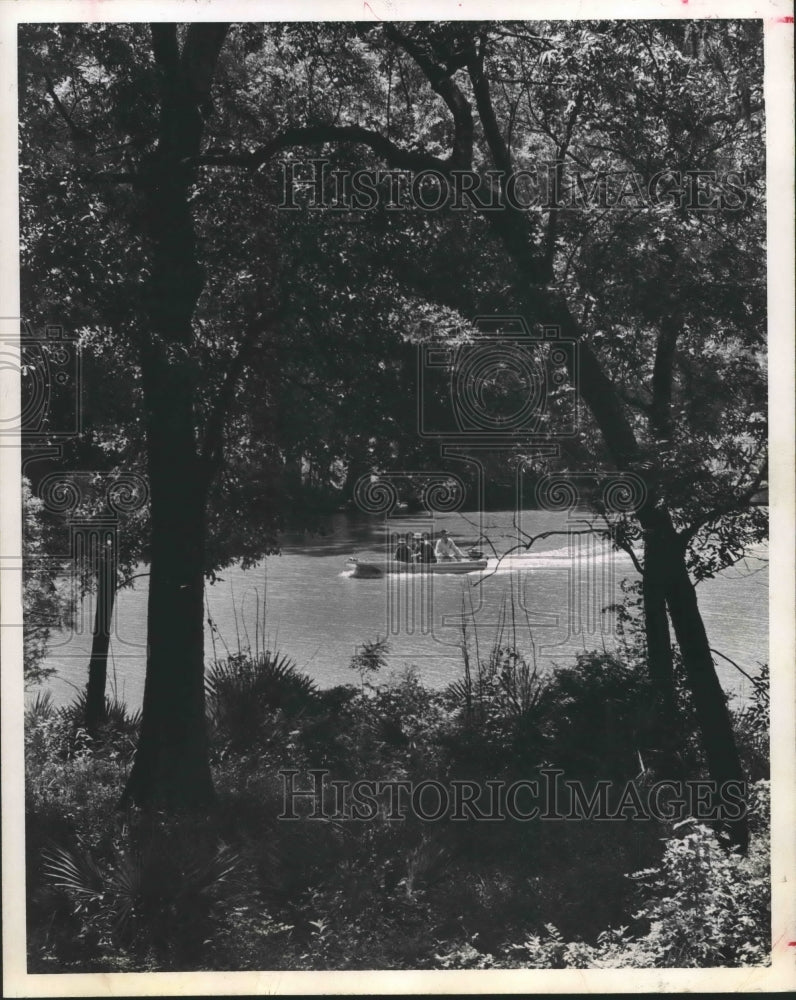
[244,691]
[118,717]
[40,709]
[501,698]
[64,728]
[502,684]
[161,897]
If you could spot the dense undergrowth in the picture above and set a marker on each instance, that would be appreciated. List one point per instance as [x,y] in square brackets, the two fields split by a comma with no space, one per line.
[241,889]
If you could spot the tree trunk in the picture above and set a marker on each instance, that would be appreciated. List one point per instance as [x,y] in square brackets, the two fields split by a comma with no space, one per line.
[98,663]
[667,575]
[659,646]
[660,662]
[710,702]
[171,767]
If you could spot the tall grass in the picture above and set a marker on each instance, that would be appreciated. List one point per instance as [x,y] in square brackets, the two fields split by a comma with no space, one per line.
[502,679]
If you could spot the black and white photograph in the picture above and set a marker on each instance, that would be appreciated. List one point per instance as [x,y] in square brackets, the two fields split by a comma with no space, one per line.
[397,512]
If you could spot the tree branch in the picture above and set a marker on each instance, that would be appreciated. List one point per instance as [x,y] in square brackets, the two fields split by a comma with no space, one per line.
[739,502]
[525,546]
[510,225]
[78,134]
[561,152]
[442,83]
[662,373]
[315,135]
[756,682]
[500,151]
[625,545]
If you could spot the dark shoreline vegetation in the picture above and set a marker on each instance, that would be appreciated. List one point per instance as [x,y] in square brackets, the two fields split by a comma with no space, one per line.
[236,888]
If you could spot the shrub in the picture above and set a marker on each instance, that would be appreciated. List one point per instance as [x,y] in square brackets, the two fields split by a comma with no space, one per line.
[158,892]
[71,793]
[369,659]
[499,703]
[52,732]
[39,709]
[240,889]
[703,907]
[404,718]
[594,720]
[118,720]
[707,906]
[752,729]
[46,597]
[247,695]
[599,717]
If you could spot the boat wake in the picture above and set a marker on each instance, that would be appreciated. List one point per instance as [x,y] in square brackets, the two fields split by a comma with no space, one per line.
[578,553]
[562,558]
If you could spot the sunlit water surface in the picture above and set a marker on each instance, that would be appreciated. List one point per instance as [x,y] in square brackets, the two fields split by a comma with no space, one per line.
[304,603]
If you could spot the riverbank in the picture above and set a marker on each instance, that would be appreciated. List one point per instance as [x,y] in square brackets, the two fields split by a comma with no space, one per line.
[282,875]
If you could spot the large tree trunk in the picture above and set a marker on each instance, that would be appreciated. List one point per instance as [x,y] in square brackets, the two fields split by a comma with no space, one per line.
[659,642]
[668,573]
[659,645]
[710,702]
[100,643]
[171,766]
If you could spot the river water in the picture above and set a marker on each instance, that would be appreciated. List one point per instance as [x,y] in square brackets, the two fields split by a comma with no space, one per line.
[306,605]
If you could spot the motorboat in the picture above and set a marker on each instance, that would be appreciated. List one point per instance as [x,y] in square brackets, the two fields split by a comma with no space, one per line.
[369,568]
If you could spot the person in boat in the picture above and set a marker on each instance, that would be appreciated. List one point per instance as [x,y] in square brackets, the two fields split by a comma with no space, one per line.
[425,550]
[403,550]
[447,550]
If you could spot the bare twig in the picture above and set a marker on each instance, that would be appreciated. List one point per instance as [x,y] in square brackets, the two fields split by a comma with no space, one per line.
[755,681]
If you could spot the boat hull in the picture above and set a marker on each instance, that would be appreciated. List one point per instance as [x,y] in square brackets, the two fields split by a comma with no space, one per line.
[363,569]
